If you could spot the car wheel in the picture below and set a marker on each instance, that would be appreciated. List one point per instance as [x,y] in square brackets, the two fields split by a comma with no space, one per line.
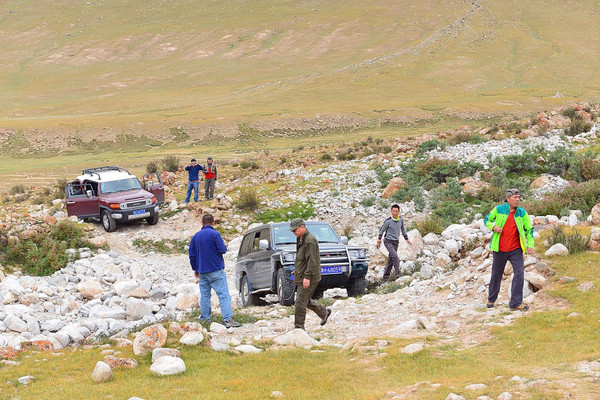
[108,222]
[153,220]
[285,288]
[248,299]
[356,286]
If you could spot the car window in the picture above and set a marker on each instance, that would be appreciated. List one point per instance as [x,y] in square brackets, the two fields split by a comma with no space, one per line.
[323,232]
[245,245]
[77,189]
[255,240]
[120,185]
[265,234]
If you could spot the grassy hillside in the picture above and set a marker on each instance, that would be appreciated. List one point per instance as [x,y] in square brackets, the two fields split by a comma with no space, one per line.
[146,66]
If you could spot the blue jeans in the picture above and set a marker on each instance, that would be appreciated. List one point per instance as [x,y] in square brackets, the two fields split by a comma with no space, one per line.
[216,280]
[192,186]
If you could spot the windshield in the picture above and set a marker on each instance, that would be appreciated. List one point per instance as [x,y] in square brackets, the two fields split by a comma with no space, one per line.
[323,232]
[120,185]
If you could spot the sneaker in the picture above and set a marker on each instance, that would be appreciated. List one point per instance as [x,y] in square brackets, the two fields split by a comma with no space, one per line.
[521,307]
[490,304]
[324,320]
[231,324]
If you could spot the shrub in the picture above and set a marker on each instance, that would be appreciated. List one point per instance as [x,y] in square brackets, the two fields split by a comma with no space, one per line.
[17,189]
[589,166]
[574,241]
[283,160]
[451,192]
[429,145]
[437,170]
[583,196]
[410,193]
[326,157]
[568,112]
[249,164]
[564,162]
[578,125]
[152,166]
[248,199]
[294,210]
[491,194]
[44,252]
[59,188]
[517,163]
[170,163]
[431,224]
[368,201]
[477,139]
[382,176]
[450,212]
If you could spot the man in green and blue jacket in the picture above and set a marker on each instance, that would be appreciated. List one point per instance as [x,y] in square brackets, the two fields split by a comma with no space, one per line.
[512,237]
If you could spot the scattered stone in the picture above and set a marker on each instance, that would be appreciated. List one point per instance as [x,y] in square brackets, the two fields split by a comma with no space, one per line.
[276,394]
[102,372]
[557,249]
[247,349]
[168,365]
[454,396]
[585,286]
[215,327]
[162,351]
[505,396]
[192,338]
[25,380]
[116,362]
[476,386]
[412,348]
[8,353]
[296,337]
[148,339]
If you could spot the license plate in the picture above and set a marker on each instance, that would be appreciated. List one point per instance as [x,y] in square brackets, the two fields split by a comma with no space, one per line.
[138,212]
[331,270]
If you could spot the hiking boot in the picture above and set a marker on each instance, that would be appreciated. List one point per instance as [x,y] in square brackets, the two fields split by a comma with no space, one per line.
[326,317]
[490,304]
[232,324]
[520,307]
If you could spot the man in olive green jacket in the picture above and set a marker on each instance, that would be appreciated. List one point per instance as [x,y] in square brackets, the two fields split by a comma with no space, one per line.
[512,237]
[307,274]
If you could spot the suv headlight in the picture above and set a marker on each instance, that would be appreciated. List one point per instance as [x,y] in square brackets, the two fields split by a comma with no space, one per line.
[288,257]
[357,254]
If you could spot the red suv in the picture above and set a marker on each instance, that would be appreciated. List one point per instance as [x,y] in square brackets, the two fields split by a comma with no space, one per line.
[112,194]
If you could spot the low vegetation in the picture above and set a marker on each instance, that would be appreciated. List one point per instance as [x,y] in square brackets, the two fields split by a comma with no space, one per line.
[43,252]
[294,210]
[165,246]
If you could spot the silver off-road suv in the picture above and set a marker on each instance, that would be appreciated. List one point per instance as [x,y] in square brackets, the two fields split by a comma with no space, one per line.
[265,263]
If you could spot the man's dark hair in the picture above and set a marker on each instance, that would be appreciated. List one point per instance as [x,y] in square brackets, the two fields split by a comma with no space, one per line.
[396,206]
[208,219]
[193,159]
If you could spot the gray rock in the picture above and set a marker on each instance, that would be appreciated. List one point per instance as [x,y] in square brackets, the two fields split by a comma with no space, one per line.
[192,338]
[102,372]
[558,249]
[33,325]
[15,323]
[162,351]
[25,380]
[247,349]
[412,348]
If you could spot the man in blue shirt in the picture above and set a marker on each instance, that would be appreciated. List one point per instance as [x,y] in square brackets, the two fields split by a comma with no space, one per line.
[193,170]
[206,258]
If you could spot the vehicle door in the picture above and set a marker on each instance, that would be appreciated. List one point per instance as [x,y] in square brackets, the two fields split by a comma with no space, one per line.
[82,199]
[242,260]
[152,183]
[259,260]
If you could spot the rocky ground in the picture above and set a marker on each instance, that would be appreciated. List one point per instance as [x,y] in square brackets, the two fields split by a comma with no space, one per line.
[442,292]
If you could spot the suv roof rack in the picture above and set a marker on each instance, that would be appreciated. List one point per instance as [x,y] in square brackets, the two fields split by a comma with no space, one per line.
[96,171]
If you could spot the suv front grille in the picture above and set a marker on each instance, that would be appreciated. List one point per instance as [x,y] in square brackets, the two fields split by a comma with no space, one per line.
[134,204]
[334,257]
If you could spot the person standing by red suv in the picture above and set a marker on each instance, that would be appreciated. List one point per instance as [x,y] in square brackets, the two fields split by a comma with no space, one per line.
[210,178]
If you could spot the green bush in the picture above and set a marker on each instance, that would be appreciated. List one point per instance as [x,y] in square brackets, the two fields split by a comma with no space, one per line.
[17,189]
[568,112]
[574,241]
[326,157]
[170,163]
[451,192]
[437,170]
[294,210]
[152,167]
[410,193]
[249,164]
[563,162]
[589,166]
[583,196]
[450,212]
[382,176]
[248,200]
[59,188]
[517,163]
[431,224]
[368,201]
[43,253]
[578,125]
[283,160]
[429,145]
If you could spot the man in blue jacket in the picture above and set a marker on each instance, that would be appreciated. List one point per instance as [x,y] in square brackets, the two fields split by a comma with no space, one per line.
[193,170]
[206,258]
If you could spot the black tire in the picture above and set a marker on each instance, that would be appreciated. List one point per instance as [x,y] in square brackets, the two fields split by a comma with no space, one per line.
[318,293]
[248,299]
[153,220]
[356,286]
[286,289]
[108,222]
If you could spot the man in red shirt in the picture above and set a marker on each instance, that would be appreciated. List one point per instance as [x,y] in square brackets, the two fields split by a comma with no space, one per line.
[511,223]
[210,177]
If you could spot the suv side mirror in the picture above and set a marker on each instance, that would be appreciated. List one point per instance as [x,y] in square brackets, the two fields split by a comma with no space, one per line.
[88,193]
[263,244]
[344,240]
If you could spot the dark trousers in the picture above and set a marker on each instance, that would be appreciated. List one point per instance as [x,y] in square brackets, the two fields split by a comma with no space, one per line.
[393,259]
[516,290]
[209,188]
[303,301]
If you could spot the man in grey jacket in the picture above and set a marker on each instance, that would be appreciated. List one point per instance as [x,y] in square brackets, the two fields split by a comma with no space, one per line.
[392,228]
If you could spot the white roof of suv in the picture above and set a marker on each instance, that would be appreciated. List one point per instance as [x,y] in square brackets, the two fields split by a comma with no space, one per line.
[105,174]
